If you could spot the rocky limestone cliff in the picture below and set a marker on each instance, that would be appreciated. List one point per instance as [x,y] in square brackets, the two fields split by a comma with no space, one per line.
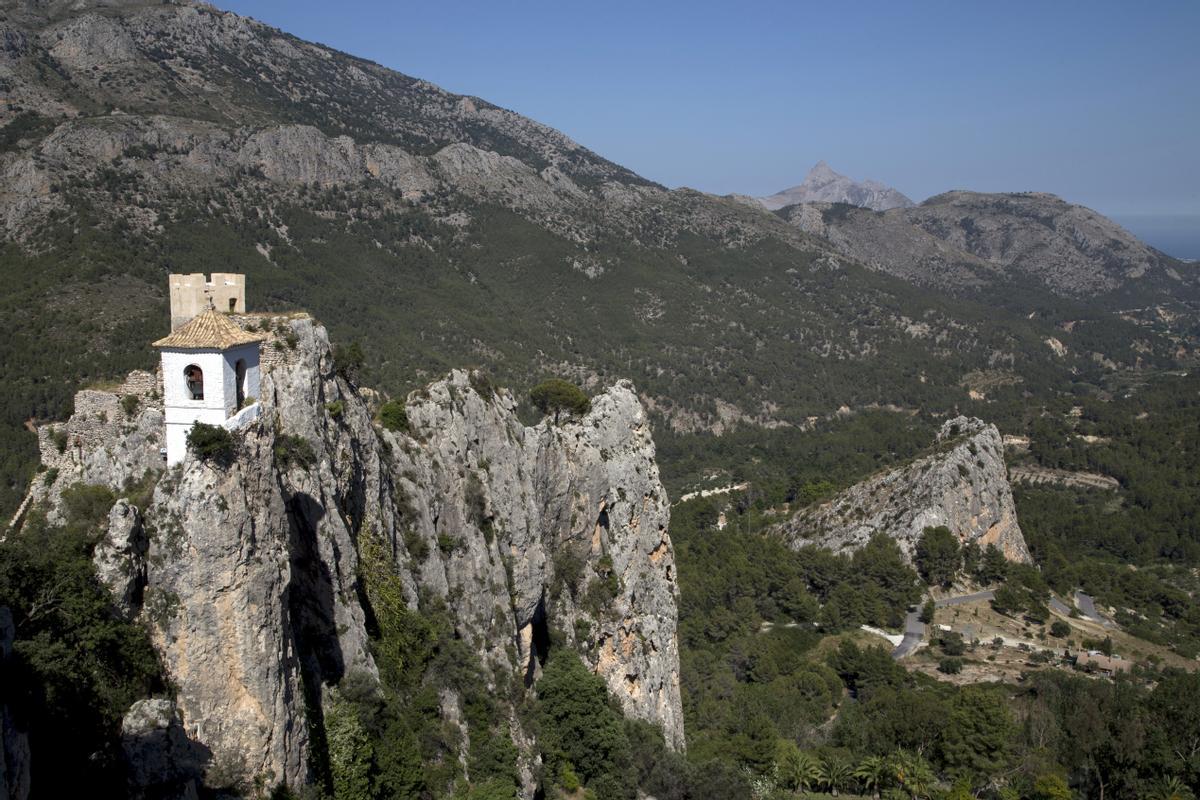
[962,485]
[246,572]
[823,185]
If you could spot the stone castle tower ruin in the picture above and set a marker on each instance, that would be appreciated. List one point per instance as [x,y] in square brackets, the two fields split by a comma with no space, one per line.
[193,294]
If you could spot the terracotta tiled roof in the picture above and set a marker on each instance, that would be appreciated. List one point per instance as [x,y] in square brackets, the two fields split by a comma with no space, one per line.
[206,330]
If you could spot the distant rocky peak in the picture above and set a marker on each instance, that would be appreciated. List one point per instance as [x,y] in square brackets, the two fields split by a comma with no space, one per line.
[822,173]
[823,184]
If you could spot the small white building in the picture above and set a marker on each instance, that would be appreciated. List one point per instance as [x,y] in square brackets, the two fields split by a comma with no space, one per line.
[210,368]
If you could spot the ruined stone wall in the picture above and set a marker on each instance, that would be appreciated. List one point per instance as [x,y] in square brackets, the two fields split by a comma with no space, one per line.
[98,419]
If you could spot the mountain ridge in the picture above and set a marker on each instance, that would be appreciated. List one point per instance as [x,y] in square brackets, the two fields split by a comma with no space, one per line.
[963,238]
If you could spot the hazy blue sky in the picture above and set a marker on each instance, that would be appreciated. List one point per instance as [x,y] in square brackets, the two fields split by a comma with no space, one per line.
[1096,101]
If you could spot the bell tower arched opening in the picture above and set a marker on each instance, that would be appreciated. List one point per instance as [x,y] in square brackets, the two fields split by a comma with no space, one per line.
[193,377]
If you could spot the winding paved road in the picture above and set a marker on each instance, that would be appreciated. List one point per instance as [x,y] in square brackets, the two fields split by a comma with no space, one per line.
[914,629]
[1087,607]
[1059,607]
[914,632]
[966,598]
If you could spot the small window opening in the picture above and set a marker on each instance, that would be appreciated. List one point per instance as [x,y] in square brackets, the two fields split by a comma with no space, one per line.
[194,377]
[232,304]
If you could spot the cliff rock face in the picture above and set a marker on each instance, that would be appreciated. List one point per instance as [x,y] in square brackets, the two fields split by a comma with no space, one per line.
[963,485]
[246,571]
[823,185]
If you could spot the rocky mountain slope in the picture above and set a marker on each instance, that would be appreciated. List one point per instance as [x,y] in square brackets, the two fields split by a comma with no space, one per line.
[143,138]
[962,485]
[823,185]
[251,573]
[970,239]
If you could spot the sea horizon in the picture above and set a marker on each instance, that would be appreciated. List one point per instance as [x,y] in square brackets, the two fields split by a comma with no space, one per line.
[1176,235]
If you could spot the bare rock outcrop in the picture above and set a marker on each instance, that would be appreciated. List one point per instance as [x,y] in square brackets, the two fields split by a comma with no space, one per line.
[120,556]
[962,485]
[246,569]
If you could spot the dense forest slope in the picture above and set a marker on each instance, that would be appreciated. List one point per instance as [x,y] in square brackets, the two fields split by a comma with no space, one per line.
[321,562]
[142,138]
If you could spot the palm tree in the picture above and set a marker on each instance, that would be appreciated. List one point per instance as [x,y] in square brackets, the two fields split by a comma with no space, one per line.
[1171,788]
[835,775]
[911,773]
[798,770]
[872,774]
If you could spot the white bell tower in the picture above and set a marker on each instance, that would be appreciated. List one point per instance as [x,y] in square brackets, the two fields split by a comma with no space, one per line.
[210,370]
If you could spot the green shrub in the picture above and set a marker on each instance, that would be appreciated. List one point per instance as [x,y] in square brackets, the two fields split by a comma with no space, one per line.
[335,408]
[393,416]
[88,504]
[211,442]
[568,572]
[600,593]
[476,503]
[1060,629]
[446,543]
[567,779]
[349,360]
[291,449]
[60,439]
[952,643]
[417,548]
[937,557]
[582,733]
[129,404]
[1007,600]
[950,666]
[556,395]
[482,384]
